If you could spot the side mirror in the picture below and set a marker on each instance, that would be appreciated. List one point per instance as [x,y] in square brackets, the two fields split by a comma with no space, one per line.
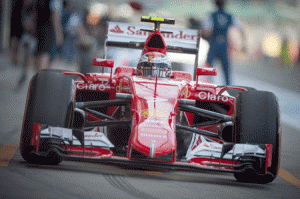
[103,62]
[206,71]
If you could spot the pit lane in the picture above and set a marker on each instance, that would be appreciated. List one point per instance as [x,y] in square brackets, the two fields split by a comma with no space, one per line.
[83,180]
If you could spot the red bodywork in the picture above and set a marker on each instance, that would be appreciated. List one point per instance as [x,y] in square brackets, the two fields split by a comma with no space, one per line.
[154,109]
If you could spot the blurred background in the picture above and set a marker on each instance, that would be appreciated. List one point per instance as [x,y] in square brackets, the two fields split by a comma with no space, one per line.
[271,29]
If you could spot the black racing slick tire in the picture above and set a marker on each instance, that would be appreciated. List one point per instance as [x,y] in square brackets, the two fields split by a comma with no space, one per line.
[258,121]
[49,102]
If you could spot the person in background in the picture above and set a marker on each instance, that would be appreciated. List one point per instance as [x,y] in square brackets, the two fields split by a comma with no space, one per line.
[27,44]
[287,62]
[91,41]
[74,31]
[16,29]
[194,23]
[79,45]
[49,31]
[217,26]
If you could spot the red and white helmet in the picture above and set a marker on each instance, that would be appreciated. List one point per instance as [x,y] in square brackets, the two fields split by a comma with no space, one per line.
[154,63]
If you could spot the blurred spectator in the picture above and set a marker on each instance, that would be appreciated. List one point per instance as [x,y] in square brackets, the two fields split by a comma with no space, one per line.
[27,44]
[216,28]
[194,23]
[49,31]
[74,31]
[102,29]
[16,29]
[137,6]
[92,39]
[87,43]
[286,60]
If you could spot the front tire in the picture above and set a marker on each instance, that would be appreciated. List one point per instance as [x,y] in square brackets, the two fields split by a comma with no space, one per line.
[258,122]
[49,102]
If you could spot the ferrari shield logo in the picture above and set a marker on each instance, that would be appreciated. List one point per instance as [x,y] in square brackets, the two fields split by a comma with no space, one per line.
[150,57]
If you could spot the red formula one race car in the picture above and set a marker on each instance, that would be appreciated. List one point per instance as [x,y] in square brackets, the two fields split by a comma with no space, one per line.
[150,116]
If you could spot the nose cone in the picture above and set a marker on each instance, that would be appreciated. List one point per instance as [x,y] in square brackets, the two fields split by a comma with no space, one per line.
[154,138]
[153,134]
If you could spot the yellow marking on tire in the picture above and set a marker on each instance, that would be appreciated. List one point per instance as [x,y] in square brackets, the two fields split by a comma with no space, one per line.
[6,154]
[289,177]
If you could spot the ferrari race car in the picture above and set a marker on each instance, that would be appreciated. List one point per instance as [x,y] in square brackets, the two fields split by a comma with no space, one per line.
[149,116]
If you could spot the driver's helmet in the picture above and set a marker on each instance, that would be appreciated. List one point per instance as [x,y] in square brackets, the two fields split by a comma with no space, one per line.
[154,63]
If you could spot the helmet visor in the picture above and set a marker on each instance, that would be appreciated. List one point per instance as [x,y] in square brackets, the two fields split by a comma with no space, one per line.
[155,69]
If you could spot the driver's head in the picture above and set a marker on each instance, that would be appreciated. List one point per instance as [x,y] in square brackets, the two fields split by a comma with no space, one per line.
[154,63]
[220,3]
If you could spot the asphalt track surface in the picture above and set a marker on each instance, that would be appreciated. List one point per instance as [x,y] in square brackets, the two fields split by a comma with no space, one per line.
[18,179]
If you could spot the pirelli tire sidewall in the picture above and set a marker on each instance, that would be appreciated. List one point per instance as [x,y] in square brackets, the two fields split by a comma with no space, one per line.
[49,101]
[258,121]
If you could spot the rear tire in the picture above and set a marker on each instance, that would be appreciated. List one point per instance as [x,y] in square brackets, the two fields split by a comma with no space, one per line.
[49,102]
[258,121]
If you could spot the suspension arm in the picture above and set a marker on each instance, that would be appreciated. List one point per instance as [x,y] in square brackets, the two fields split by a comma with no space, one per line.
[198,131]
[205,113]
[99,104]
[107,123]
[98,114]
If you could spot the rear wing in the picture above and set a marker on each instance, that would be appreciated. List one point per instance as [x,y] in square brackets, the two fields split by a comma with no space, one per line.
[126,35]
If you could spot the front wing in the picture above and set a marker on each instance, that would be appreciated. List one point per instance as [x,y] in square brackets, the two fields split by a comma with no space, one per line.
[204,155]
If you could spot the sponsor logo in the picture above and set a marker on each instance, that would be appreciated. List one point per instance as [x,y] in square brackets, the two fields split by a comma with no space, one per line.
[117,29]
[154,113]
[153,130]
[213,146]
[222,20]
[212,97]
[179,36]
[150,125]
[132,31]
[96,135]
[153,136]
[83,86]
[151,99]
[156,121]
[150,57]
[135,31]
